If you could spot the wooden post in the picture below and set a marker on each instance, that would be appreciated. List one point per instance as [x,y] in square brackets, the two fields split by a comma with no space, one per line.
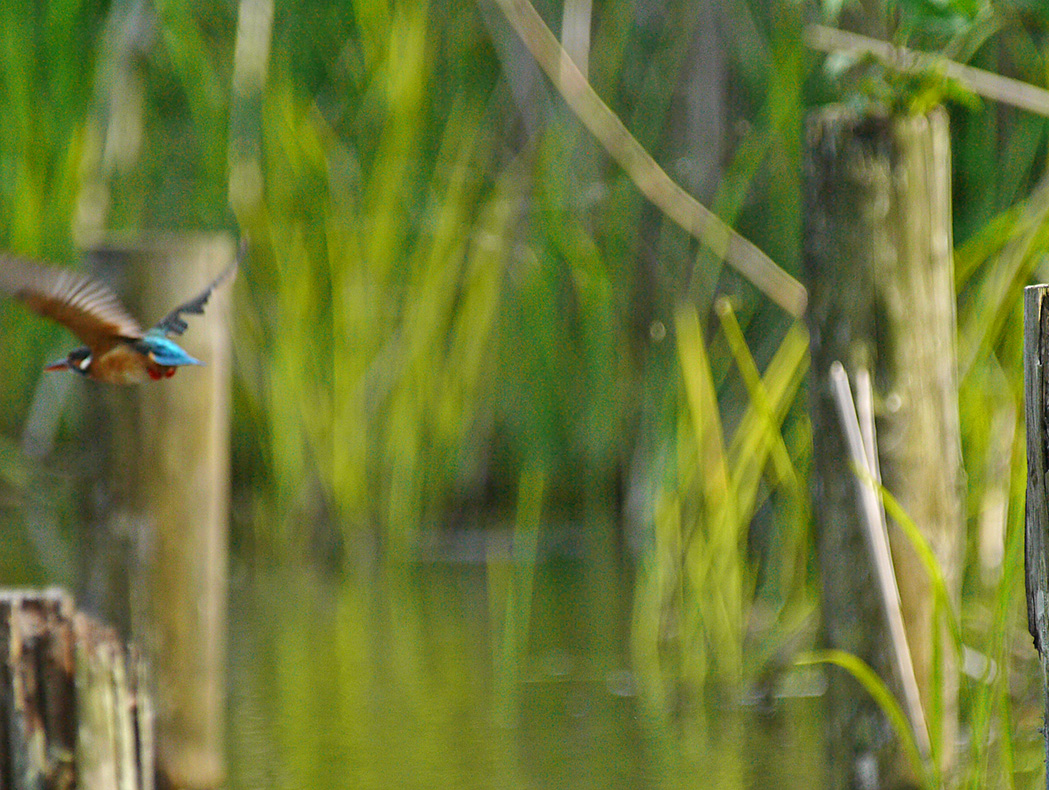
[169,479]
[1036,545]
[74,708]
[880,278]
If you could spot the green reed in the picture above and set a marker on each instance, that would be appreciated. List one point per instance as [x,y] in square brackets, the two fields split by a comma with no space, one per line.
[695,591]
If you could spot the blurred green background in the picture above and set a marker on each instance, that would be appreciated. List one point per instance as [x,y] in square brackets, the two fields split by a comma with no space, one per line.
[533,460]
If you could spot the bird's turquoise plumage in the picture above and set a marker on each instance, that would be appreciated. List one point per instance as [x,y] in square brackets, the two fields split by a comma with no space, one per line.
[164,351]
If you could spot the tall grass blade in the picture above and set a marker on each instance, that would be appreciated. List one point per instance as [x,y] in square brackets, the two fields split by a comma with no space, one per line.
[880,693]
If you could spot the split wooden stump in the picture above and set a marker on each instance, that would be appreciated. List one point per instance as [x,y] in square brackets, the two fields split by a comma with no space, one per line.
[73,707]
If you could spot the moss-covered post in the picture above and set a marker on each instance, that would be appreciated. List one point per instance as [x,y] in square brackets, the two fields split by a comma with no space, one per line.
[879,268]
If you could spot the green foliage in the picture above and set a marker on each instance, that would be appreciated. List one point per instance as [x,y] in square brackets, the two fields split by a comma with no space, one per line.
[877,688]
[944,17]
[380,325]
[696,589]
[443,299]
[46,58]
[984,695]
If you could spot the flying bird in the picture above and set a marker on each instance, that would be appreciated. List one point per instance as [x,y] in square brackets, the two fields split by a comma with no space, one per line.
[116,350]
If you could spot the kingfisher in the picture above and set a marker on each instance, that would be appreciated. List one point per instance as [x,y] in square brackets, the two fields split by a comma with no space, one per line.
[116,350]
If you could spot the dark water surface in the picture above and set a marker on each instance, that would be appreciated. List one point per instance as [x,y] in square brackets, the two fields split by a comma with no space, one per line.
[337,683]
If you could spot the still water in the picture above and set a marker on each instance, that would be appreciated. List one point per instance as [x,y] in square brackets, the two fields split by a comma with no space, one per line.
[338,683]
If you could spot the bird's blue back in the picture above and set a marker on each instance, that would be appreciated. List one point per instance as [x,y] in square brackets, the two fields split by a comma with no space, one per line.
[163,350]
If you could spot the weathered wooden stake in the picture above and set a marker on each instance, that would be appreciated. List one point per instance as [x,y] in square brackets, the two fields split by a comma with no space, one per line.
[75,709]
[1036,544]
[879,271]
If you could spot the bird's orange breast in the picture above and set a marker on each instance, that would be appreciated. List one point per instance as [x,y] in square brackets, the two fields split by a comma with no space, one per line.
[124,365]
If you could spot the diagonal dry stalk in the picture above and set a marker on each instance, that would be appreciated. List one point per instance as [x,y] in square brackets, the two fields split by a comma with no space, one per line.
[863,451]
[644,171]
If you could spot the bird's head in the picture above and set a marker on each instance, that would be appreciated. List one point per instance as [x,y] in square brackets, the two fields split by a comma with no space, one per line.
[79,360]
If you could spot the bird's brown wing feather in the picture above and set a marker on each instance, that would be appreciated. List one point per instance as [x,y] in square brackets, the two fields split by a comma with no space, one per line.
[87,307]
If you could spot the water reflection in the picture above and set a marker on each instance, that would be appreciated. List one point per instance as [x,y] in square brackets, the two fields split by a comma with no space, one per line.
[341,683]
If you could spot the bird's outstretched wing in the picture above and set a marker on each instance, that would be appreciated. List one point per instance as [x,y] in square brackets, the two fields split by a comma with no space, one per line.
[87,307]
[173,323]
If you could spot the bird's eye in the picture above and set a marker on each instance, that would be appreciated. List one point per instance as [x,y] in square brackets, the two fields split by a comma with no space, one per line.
[84,363]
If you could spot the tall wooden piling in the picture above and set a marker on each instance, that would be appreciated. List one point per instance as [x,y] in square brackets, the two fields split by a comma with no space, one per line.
[1036,526]
[879,271]
[168,482]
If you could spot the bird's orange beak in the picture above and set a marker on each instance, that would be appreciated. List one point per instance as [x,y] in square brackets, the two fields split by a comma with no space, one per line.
[62,364]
